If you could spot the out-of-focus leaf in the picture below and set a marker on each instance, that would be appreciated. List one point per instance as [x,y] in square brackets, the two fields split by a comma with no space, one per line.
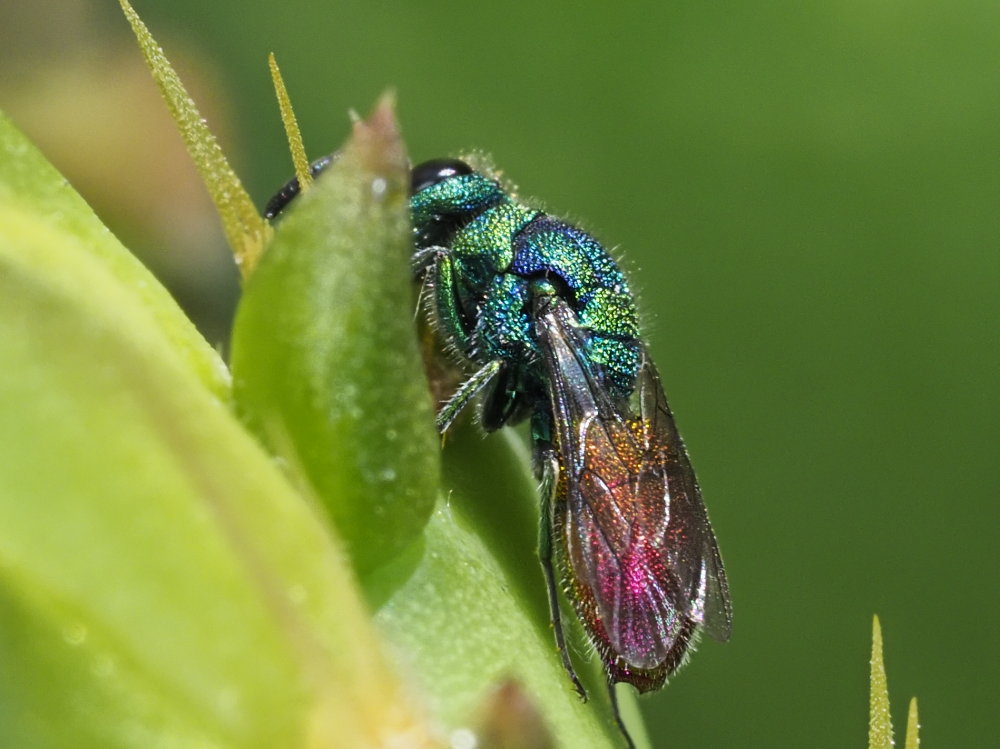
[161,583]
[510,720]
[78,257]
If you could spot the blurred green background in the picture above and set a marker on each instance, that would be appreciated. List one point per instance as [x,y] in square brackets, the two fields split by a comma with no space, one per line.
[808,196]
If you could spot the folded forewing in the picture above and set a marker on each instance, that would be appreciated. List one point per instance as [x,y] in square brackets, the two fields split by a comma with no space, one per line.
[636,531]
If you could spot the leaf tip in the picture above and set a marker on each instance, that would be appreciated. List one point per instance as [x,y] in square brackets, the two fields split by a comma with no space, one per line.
[378,140]
[510,718]
[879,720]
[912,726]
[291,125]
[246,231]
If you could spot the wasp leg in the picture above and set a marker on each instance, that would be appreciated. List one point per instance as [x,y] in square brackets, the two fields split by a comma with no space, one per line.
[466,392]
[451,318]
[448,313]
[550,471]
[424,259]
[613,696]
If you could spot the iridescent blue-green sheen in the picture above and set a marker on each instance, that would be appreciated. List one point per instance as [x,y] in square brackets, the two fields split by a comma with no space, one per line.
[488,249]
[485,246]
[459,196]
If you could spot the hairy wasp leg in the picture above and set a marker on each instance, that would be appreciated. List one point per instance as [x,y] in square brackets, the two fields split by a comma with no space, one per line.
[550,470]
[423,259]
[613,696]
[437,261]
[466,392]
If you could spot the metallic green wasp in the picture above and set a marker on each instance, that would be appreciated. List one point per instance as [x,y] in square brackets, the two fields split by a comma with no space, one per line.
[544,319]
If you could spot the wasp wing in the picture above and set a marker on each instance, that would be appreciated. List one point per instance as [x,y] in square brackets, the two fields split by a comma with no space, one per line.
[636,534]
[697,559]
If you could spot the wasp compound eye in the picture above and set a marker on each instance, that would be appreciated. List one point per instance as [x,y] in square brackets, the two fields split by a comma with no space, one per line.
[438,170]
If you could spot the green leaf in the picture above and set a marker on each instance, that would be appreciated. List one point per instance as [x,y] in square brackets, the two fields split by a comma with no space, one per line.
[324,355]
[161,583]
[74,255]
